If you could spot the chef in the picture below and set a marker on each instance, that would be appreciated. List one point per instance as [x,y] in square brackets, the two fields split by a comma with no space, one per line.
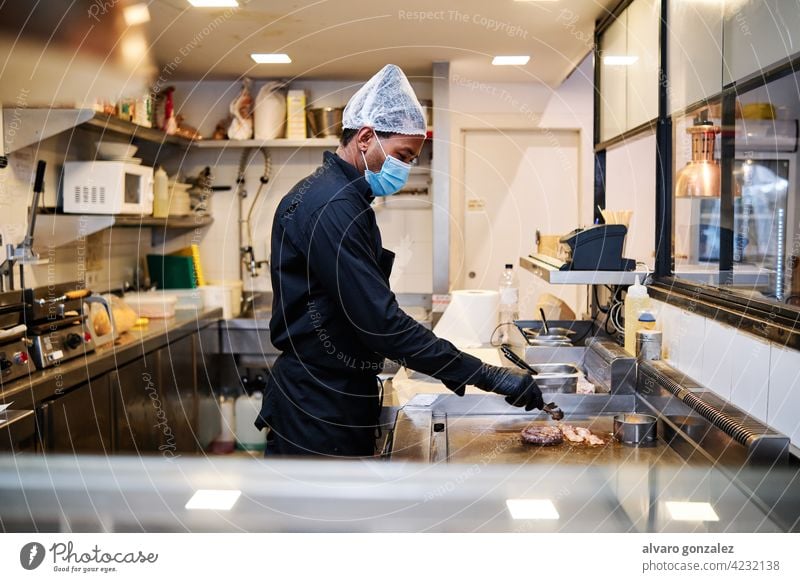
[334,316]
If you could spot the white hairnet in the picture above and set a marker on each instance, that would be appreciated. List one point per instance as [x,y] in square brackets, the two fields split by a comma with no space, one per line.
[386,103]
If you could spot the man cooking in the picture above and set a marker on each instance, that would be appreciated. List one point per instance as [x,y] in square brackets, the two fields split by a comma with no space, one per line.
[334,316]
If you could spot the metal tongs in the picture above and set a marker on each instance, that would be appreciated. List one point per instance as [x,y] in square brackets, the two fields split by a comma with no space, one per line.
[552,408]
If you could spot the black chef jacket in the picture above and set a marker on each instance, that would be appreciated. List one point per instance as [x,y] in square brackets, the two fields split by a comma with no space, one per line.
[335,320]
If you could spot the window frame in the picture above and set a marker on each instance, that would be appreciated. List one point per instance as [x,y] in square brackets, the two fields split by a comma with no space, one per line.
[774,321]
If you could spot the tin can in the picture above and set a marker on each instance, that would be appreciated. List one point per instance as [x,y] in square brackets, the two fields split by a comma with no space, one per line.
[648,344]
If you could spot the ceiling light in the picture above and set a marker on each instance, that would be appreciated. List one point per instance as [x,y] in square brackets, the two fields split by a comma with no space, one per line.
[136,14]
[511,60]
[221,499]
[270,58]
[214,3]
[623,60]
[531,509]
[532,1]
[691,511]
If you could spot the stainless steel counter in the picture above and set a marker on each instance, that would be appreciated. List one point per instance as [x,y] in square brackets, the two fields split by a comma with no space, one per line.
[133,344]
[136,494]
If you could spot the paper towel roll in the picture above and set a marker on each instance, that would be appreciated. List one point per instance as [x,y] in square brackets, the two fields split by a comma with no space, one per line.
[470,318]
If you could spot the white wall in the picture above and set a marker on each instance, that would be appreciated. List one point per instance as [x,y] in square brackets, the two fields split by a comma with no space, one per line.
[483,105]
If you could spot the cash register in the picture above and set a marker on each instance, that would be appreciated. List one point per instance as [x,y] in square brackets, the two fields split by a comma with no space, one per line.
[595,248]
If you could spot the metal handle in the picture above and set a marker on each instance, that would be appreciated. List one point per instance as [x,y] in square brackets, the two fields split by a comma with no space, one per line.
[515,359]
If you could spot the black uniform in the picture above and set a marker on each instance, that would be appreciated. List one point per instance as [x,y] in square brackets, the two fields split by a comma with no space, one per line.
[335,319]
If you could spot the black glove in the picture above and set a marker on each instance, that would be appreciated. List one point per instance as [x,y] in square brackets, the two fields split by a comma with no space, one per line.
[518,387]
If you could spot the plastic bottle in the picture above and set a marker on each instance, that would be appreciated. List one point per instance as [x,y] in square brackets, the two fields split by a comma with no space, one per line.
[225,441]
[160,194]
[248,437]
[636,301]
[508,311]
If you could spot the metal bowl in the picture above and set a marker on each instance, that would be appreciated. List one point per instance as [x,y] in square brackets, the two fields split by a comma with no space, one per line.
[636,430]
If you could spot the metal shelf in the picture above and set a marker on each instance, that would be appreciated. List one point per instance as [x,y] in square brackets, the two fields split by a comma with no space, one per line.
[111,124]
[168,222]
[312,142]
[548,271]
[22,126]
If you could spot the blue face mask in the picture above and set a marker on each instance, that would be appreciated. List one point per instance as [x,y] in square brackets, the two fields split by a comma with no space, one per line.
[392,177]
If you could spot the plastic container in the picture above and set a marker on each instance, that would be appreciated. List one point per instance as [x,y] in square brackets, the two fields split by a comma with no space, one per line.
[508,310]
[160,194]
[636,301]
[188,299]
[180,202]
[226,439]
[224,294]
[269,113]
[248,437]
[152,304]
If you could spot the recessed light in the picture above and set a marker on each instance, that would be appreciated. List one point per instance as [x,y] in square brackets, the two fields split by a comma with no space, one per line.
[136,14]
[220,499]
[533,1]
[271,58]
[214,3]
[531,509]
[624,60]
[511,60]
[691,511]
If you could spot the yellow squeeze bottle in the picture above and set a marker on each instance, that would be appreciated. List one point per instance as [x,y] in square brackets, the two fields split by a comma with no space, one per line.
[636,301]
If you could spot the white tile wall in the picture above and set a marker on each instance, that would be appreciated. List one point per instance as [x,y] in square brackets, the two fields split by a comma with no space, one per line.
[716,368]
[761,378]
[783,407]
[750,370]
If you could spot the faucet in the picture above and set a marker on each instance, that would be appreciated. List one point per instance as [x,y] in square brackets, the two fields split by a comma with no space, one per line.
[249,259]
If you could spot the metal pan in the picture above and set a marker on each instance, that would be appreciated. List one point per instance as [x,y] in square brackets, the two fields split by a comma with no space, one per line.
[636,430]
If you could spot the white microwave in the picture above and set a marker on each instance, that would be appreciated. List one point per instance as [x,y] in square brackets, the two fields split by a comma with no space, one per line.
[100,187]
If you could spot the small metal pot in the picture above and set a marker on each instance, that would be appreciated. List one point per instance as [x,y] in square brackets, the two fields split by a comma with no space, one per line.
[325,121]
[636,430]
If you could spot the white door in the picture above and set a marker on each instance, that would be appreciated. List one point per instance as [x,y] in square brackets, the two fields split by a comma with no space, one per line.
[515,183]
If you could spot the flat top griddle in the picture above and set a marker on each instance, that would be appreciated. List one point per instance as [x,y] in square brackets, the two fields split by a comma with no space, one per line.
[496,439]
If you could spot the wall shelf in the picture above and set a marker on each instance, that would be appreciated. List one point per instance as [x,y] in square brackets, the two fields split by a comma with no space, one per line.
[549,271]
[22,126]
[312,142]
[111,124]
[114,125]
[178,222]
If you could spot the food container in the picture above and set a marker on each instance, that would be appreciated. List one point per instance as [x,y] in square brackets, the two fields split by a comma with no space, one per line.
[636,430]
[109,150]
[152,304]
[188,299]
[325,121]
[224,294]
[179,200]
[556,377]
[648,344]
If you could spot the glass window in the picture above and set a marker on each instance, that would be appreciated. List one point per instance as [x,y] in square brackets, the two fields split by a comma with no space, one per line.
[764,219]
[758,34]
[696,194]
[694,44]
[629,69]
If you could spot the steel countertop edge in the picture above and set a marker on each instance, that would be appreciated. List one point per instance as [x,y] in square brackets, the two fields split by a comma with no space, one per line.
[40,384]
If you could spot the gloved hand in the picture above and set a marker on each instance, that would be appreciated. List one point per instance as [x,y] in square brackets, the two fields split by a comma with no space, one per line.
[518,387]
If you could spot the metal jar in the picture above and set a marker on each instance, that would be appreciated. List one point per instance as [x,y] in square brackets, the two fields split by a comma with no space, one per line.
[325,121]
[648,344]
